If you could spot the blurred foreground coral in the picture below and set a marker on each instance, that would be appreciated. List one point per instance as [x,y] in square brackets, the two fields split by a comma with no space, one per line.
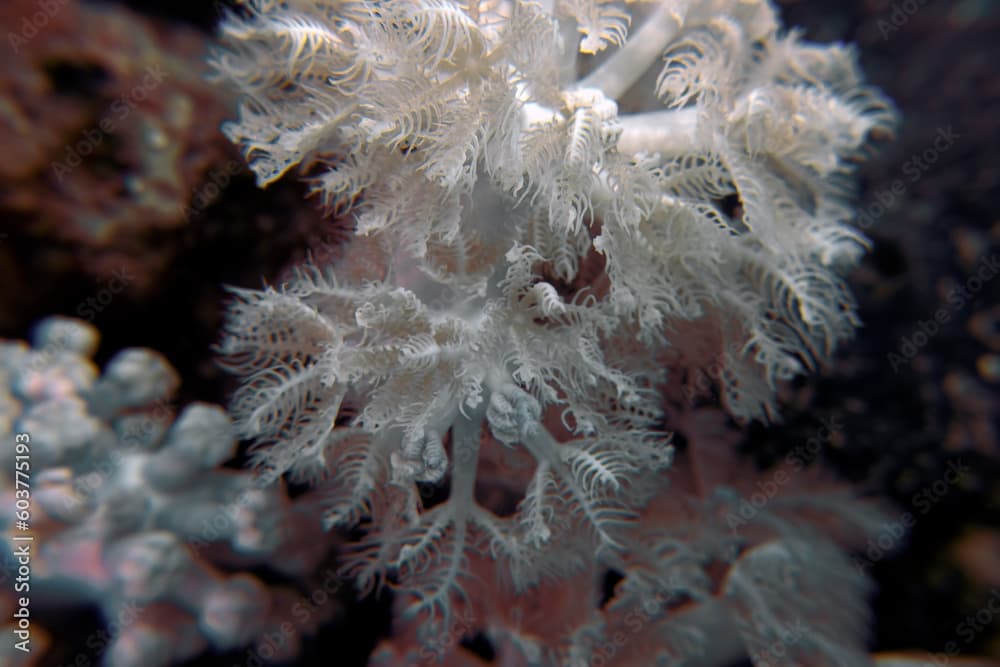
[128,511]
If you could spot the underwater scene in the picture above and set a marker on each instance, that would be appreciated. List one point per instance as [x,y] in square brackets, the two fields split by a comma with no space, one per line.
[526,333]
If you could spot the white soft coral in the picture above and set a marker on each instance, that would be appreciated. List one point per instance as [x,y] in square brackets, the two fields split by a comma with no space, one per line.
[462,131]
[383,392]
[542,226]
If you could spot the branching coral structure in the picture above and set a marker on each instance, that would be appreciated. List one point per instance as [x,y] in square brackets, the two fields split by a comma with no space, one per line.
[122,508]
[549,199]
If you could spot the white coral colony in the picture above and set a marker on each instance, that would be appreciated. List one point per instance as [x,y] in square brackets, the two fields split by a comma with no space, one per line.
[540,200]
